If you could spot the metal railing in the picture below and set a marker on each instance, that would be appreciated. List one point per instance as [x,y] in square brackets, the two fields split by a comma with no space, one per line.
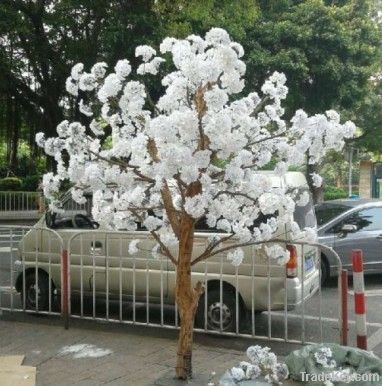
[19,201]
[22,265]
[14,201]
[98,279]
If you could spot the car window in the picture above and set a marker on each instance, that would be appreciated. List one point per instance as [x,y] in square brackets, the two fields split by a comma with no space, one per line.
[326,213]
[365,220]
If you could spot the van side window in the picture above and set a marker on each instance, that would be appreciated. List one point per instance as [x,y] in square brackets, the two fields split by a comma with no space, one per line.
[202,226]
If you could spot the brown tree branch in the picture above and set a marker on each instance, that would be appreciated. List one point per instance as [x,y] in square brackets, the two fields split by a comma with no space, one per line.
[210,248]
[171,212]
[233,194]
[163,247]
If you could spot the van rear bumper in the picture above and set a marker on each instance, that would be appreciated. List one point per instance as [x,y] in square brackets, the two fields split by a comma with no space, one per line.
[297,293]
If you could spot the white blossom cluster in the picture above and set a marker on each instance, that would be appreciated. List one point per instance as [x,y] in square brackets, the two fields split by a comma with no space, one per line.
[196,149]
[334,373]
[324,357]
[263,363]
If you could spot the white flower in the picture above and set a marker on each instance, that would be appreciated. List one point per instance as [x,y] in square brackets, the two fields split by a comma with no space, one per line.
[78,196]
[194,206]
[323,357]
[77,71]
[304,199]
[216,98]
[349,129]
[317,180]
[217,36]
[40,139]
[155,252]
[236,257]
[151,67]
[85,109]
[152,223]
[269,203]
[276,252]
[99,70]
[167,45]
[133,247]
[96,128]
[280,372]
[110,88]
[71,86]
[146,52]
[122,68]
[237,374]
[87,82]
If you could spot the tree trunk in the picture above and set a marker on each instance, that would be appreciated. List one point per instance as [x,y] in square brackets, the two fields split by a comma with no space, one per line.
[339,178]
[317,192]
[14,140]
[9,117]
[187,299]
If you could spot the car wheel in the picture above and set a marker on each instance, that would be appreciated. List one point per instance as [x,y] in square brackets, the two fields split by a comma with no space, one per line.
[39,292]
[324,271]
[220,316]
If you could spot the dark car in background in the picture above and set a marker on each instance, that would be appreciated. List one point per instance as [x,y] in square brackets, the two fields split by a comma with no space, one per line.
[350,224]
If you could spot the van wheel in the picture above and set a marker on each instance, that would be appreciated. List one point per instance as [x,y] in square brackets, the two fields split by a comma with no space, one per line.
[41,291]
[227,320]
[324,270]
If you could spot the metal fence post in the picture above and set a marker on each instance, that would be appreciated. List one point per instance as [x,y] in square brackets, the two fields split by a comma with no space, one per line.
[64,288]
[359,298]
[344,307]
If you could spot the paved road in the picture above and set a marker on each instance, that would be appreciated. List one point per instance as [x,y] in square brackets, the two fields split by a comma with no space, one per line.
[296,327]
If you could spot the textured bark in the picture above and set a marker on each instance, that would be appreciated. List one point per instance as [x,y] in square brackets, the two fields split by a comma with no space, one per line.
[187,297]
[317,193]
[14,139]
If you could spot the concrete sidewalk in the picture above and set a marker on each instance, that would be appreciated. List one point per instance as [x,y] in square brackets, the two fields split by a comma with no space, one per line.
[91,353]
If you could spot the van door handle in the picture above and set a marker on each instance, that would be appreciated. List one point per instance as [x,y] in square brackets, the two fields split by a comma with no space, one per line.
[379,237]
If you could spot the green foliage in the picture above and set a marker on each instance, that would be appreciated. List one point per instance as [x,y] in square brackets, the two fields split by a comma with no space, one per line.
[30,183]
[334,193]
[327,48]
[327,51]
[368,116]
[10,183]
[185,17]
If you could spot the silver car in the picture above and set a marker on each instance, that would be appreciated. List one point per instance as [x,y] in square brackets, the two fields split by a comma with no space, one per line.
[350,224]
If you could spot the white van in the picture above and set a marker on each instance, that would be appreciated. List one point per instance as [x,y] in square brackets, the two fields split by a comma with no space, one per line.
[100,265]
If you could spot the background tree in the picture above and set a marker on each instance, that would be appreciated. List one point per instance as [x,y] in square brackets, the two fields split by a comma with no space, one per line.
[327,49]
[184,17]
[40,42]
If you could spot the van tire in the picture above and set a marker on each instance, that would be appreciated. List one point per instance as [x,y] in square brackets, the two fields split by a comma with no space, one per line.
[213,311]
[30,291]
[325,273]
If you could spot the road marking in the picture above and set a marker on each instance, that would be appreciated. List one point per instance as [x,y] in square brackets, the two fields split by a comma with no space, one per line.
[374,340]
[375,292]
[324,319]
